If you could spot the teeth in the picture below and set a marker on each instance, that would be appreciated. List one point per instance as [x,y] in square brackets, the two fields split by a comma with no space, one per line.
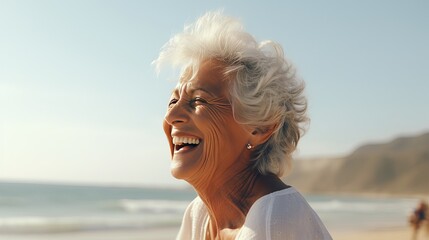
[185,140]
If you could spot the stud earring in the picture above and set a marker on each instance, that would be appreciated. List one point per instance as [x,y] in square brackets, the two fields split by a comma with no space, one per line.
[249,146]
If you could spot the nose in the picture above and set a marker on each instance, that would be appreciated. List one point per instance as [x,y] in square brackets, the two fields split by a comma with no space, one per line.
[176,114]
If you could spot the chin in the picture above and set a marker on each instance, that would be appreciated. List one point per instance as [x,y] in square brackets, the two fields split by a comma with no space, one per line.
[178,170]
[176,174]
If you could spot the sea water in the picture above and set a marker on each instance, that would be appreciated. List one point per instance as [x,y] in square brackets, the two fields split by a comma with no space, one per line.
[43,208]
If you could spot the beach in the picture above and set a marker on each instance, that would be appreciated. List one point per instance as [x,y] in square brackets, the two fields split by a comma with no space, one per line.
[400,233]
[60,212]
[134,234]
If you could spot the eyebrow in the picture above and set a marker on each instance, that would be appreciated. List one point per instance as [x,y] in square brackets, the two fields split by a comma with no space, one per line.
[201,89]
[192,90]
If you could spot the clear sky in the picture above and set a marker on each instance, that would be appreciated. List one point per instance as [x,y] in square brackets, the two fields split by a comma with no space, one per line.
[80,101]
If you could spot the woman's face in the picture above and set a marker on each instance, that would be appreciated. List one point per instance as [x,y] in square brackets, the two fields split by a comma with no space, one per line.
[205,140]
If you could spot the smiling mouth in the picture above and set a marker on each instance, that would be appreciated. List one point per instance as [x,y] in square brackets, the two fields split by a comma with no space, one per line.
[185,143]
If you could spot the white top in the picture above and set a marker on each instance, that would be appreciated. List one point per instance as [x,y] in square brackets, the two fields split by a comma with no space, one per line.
[279,215]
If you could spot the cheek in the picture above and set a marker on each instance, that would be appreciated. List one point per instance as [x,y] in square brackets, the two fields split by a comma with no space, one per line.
[217,133]
[214,121]
[166,127]
[167,131]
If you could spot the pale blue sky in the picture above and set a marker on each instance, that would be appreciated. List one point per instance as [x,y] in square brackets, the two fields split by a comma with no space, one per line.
[80,101]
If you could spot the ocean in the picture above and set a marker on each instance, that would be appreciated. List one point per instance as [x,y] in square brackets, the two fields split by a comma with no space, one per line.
[42,209]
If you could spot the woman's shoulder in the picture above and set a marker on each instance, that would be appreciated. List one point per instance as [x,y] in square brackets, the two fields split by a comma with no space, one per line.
[287,203]
[193,221]
[285,198]
[196,208]
[275,216]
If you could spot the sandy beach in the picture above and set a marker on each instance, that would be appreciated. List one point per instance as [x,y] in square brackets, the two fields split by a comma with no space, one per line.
[169,233]
[151,234]
[381,234]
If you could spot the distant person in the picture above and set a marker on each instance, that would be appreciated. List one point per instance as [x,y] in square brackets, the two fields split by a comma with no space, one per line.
[232,123]
[419,218]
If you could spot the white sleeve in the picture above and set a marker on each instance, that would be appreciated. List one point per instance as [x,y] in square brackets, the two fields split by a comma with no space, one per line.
[195,217]
[294,220]
[284,217]
[186,227]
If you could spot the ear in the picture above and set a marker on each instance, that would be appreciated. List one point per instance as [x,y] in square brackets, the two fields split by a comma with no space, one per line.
[260,136]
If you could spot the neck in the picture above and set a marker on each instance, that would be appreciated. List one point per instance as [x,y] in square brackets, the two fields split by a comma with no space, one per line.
[229,196]
[228,200]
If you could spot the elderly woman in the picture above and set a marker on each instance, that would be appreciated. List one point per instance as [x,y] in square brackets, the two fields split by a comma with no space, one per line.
[232,123]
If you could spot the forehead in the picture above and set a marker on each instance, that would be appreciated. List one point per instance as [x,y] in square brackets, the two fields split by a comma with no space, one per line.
[210,77]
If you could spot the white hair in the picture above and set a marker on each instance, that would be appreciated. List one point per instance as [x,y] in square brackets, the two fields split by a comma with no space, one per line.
[265,91]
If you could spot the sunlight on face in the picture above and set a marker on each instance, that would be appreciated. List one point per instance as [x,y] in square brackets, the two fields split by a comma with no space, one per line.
[205,140]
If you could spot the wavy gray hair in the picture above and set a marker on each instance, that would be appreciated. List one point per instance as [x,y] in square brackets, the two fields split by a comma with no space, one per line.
[265,92]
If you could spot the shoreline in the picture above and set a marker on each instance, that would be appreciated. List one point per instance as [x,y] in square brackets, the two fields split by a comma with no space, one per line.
[168,233]
[394,233]
[369,194]
[158,233]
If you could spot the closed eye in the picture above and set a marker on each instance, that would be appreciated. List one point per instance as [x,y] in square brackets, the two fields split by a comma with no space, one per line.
[196,101]
[172,102]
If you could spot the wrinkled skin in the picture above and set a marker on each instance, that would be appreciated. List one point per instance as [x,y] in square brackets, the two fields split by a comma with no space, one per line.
[200,108]
[219,166]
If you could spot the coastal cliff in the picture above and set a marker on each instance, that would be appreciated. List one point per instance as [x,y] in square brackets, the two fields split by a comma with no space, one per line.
[400,166]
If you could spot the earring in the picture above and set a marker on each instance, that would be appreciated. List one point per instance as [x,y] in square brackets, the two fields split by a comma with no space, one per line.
[249,146]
